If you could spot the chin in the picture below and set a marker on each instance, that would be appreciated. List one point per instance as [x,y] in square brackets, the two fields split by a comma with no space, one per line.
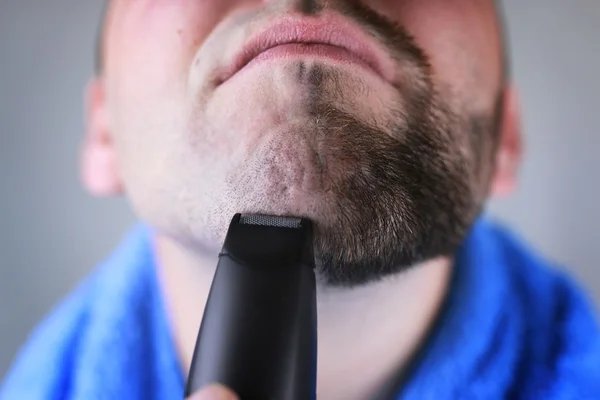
[287,91]
[290,136]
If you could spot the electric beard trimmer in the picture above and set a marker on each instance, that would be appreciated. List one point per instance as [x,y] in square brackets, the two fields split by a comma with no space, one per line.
[258,335]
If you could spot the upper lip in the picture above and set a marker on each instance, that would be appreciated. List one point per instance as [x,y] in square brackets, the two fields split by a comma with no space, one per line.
[332,29]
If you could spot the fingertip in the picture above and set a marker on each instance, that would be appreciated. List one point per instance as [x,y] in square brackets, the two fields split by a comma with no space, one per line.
[214,392]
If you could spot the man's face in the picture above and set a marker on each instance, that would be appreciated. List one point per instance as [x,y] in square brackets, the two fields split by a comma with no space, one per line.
[376,120]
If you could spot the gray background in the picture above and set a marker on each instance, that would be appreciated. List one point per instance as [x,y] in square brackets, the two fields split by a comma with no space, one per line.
[52,233]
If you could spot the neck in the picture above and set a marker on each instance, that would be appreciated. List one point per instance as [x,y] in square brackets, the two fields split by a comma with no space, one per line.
[365,334]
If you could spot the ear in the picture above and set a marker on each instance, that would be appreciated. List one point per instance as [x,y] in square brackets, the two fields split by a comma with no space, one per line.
[510,149]
[98,159]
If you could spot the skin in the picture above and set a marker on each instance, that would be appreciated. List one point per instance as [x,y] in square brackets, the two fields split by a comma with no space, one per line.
[188,152]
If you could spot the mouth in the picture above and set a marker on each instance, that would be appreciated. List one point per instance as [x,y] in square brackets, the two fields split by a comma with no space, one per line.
[330,37]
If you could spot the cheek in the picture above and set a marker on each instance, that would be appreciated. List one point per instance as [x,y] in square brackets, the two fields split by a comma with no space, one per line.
[460,39]
[151,44]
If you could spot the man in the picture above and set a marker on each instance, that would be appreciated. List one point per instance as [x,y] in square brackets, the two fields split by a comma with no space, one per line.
[388,123]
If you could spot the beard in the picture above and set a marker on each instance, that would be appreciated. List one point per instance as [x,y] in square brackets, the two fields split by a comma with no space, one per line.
[383,196]
[406,198]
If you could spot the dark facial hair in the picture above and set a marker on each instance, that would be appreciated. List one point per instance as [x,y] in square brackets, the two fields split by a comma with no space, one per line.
[405,197]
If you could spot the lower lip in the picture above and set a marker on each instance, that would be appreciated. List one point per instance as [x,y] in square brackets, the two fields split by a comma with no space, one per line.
[310,50]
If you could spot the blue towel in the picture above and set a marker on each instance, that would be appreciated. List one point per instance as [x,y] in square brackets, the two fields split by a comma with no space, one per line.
[511,328]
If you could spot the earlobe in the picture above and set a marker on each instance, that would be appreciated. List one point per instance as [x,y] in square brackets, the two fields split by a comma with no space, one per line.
[510,146]
[99,171]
